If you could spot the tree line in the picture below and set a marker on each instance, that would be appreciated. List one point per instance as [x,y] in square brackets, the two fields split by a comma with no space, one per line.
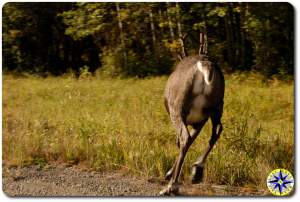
[141,39]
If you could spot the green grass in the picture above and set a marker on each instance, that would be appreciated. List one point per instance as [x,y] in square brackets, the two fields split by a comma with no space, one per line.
[111,123]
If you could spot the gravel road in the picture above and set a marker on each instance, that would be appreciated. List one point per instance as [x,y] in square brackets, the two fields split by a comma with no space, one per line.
[60,180]
[70,181]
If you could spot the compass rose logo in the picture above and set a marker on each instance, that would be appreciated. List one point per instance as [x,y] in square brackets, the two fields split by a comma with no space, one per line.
[280,182]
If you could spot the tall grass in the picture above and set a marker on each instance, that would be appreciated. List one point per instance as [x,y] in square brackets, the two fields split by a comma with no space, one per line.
[107,123]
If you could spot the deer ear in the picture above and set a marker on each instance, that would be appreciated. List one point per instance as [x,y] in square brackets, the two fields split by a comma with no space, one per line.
[179,57]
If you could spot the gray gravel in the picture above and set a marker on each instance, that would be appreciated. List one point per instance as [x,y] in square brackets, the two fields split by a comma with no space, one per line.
[60,180]
[70,181]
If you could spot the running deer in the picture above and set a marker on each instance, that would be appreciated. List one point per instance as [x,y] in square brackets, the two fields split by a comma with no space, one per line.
[194,93]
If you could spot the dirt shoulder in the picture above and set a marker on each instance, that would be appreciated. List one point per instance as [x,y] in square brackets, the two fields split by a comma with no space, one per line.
[59,180]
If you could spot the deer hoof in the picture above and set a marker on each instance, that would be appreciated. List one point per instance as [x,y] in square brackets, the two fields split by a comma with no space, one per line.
[171,189]
[197,174]
[169,174]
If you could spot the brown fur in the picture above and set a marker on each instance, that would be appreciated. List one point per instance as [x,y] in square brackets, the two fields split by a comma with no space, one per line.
[190,100]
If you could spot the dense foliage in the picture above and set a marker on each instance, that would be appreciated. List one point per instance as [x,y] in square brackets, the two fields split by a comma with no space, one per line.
[142,39]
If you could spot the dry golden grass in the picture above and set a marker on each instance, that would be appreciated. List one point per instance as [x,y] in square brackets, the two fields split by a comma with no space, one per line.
[111,123]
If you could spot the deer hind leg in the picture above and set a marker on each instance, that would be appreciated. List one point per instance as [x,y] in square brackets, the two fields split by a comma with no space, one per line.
[196,130]
[185,141]
[198,166]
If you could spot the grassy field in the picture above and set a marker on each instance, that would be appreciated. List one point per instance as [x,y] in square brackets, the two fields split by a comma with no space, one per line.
[106,123]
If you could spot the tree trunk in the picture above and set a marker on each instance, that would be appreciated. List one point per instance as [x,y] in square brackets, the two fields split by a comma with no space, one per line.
[153,35]
[180,30]
[243,36]
[229,37]
[170,23]
[120,24]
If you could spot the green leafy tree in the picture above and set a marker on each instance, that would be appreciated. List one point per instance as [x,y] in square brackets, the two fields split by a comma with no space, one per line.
[140,39]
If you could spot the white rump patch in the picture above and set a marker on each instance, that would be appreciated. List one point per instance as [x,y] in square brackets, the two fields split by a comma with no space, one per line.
[205,72]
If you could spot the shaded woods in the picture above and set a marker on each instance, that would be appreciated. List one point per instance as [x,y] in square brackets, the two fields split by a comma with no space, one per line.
[141,39]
